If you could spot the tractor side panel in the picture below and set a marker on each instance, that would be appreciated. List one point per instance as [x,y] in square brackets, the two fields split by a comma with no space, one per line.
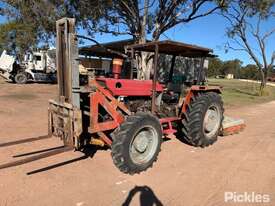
[96,100]
[129,87]
[116,111]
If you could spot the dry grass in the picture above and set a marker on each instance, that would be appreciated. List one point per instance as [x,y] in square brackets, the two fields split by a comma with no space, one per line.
[237,93]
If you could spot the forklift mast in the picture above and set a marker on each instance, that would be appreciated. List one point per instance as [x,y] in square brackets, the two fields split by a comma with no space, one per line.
[67,62]
[64,115]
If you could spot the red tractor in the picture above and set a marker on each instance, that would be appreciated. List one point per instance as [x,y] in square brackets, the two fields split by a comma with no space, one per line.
[132,116]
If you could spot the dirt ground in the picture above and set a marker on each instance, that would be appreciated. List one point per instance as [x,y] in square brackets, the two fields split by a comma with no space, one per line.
[182,176]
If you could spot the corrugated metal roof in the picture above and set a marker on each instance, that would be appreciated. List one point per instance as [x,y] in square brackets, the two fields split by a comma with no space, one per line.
[96,50]
[173,48]
[166,47]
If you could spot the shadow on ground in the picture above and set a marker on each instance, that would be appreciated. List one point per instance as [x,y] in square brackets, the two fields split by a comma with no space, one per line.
[88,152]
[147,197]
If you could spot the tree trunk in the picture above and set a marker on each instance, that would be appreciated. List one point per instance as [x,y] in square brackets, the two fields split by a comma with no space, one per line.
[143,67]
[263,80]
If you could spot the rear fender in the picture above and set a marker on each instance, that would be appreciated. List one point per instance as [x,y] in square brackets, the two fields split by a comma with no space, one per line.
[198,89]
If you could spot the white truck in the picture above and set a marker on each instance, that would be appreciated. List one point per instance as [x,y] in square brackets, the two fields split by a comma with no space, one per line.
[36,66]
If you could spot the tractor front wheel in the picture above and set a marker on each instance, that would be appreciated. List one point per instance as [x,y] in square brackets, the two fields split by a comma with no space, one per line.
[202,122]
[136,143]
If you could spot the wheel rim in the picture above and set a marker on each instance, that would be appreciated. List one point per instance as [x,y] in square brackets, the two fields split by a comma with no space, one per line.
[21,78]
[212,121]
[144,145]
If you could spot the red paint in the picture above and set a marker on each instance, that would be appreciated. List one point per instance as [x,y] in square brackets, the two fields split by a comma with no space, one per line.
[196,88]
[233,130]
[102,97]
[129,87]
[168,121]
[117,66]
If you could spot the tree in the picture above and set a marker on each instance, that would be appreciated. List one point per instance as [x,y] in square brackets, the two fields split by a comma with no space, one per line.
[141,19]
[137,18]
[215,67]
[232,67]
[250,71]
[16,37]
[248,36]
[218,67]
[29,23]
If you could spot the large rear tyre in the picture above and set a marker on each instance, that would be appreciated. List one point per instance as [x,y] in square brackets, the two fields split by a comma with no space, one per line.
[136,143]
[202,122]
[21,78]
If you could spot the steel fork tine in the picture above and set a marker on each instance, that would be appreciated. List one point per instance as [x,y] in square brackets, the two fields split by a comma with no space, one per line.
[38,151]
[36,157]
[32,139]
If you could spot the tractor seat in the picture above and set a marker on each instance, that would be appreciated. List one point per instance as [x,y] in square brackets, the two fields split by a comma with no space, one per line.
[177,88]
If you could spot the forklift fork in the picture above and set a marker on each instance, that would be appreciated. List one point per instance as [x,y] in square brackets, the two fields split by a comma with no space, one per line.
[64,115]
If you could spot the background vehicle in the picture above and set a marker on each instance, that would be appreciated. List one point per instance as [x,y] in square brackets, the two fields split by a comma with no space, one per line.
[36,66]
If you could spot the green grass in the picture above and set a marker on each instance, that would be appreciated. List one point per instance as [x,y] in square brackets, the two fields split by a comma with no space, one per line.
[237,93]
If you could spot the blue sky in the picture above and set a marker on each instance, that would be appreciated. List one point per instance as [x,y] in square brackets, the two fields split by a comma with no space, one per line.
[208,32]
[2,19]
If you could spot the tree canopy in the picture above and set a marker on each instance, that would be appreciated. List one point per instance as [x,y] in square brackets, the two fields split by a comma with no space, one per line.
[17,37]
[138,18]
[245,31]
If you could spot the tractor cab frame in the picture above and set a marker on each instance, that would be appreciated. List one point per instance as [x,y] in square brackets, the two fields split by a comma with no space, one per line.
[175,49]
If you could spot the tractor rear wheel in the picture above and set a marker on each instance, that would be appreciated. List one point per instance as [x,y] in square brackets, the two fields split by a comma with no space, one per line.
[21,78]
[202,122]
[136,143]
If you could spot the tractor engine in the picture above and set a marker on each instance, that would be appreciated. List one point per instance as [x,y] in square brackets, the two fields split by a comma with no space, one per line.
[136,94]
[143,104]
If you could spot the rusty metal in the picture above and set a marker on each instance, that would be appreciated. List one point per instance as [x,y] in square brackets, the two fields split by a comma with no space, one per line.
[114,108]
[107,50]
[196,88]
[32,139]
[132,63]
[155,78]
[168,121]
[36,157]
[109,96]
[105,138]
[65,121]
[66,60]
[36,152]
[117,67]
[64,115]
[173,48]
[103,98]
[97,100]
[206,88]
